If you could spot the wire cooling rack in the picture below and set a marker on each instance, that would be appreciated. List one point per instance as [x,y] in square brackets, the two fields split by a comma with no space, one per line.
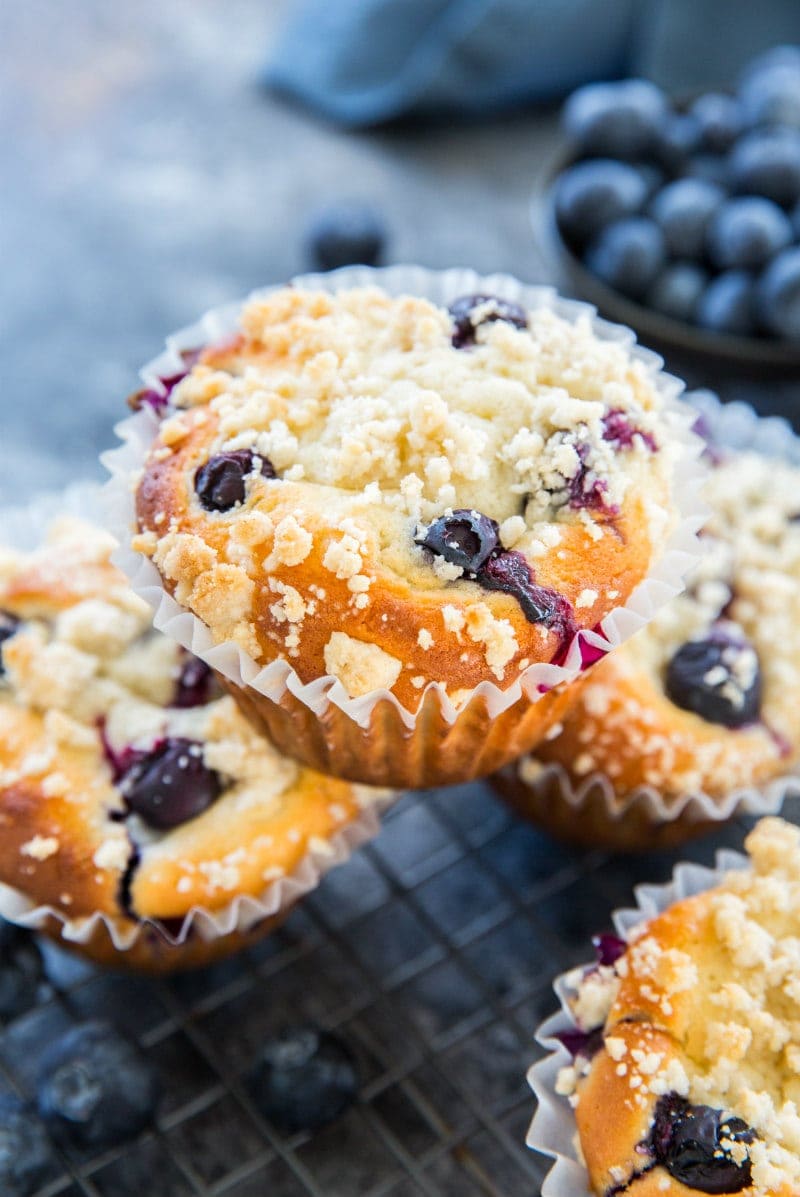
[431,953]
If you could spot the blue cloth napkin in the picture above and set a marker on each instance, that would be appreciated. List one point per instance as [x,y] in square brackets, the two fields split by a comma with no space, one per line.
[361,62]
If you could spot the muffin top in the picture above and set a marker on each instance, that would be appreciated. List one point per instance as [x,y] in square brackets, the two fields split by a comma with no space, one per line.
[705,696]
[129,784]
[394,493]
[687,1064]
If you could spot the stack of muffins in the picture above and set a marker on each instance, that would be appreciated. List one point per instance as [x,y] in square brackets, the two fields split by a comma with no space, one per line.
[390,524]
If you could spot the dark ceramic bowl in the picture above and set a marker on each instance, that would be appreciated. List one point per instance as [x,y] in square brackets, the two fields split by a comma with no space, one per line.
[750,354]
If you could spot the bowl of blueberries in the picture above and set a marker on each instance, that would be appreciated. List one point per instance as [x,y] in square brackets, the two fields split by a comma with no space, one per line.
[683,219]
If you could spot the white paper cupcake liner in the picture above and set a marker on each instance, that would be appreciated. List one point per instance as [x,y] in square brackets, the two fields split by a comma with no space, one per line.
[736,426]
[279,678]
[553,1130]
[23,528]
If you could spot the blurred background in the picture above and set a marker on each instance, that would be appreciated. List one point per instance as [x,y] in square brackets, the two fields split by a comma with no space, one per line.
[162,157]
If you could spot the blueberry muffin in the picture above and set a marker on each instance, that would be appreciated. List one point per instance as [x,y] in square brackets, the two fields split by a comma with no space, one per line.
[131,786]
[706,699]
[411,502]
[686,1050]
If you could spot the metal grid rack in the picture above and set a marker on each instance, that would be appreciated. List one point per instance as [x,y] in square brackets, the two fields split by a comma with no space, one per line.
[431,953]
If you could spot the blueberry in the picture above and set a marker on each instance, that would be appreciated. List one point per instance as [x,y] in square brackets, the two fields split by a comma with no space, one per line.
[652,177]
[193,687]
[720,120]
[711,168]
[21,972]
[469,312]
[728,304]
[170,784]
[718,678]
[683,211]
[678,138]
[465,538]
[619,120]
[346,234]
[510,573]
[628,255]
[585,1044]
[619,430]
[303,1079]
[94,1088]
[159,400]
[8,626]
[692,1143]
[609,948]
[771,96]
[767,162]
[220,483]
[775,56]
[25,1157]
[778,295]
[746,232]
[592,194]
[677,290]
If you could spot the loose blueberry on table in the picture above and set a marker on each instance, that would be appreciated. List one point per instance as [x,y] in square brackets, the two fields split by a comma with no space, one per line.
[346,234]
[26,1159]
[221,483]
[21,971]
[94,1088]
[303,1079]
[694,213]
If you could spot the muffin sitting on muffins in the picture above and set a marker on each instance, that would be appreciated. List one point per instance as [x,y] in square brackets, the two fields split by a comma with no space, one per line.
[686,1056]
[132,791]
[706,697]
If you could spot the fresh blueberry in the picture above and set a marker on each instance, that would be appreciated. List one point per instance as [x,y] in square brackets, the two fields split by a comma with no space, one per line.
[510,573]
[677,290]
[618,120]
[746,232]
[628,255]
[193,687]
[592,194]
[469,312]
[711,168]
[170,784]
[693,1143]
[678,139]
[346,234]
[718,678]
[683,211]
[465,538]
[728,304]
[220,483]
[21,972]
[303,1079]
[8,626]
[767,162]
[94,1088]
[776,56]
[25,1156]
[771,96]
[778,295]
[720,121]
[652,176]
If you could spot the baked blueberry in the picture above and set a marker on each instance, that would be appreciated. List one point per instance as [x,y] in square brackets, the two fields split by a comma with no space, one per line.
[170,784]
[679,137]
[193,686]
[581,1043]
[465,538]
[620,431]
[220,483]
[510,573]
[718,678]
[746,232]
[26,1160]
[590,195]
[8,626]
[628,255]
[728,304]
[303,1079]
[683,210]
[94,1088]
[608,948]
[778,295]
[346,234]
[720,120]
[158,400]
[471,311]
[694,1143]
[615,119]
[21,972]
[767,162]
[677,290]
